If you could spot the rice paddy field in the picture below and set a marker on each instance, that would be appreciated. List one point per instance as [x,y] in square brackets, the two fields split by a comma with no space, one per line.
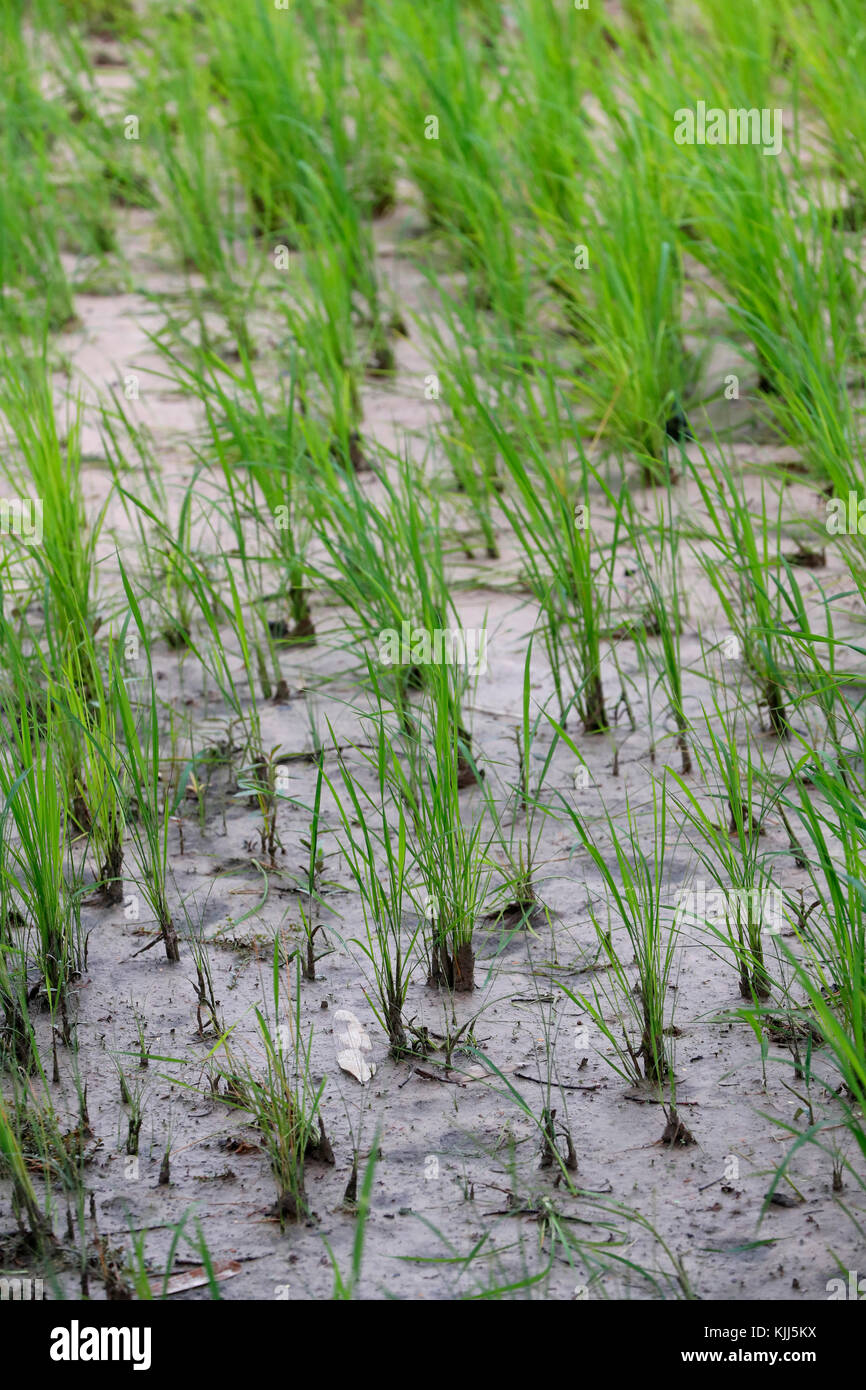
[432,683]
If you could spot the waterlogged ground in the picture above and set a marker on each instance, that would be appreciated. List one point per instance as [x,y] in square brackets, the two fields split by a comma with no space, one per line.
[460,1202]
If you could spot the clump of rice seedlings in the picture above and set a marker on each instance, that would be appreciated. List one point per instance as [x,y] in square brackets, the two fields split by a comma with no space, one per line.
[729,848]
[315,867]
[388,567]
[374,833]
[469,358]
[32,1219]
[141,1279]
[207,1014]
[833,935]
[744,573]
[282,1098]
[750,214]
[262,447]
[31,267]
[662,618]
[635,887]
[841,1058]
[637,373]
[99,766]
[40,877]
[155,805]
[567,569]
[17,1038]
[450,847]
[65,558]
[520,848]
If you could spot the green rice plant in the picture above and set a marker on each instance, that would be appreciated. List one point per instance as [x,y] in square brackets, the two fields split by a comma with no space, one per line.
[39,874]
[730,849]
[840,1058]
[748,215]
[155,803]
[662,617]
[315,867]
[637,373]
[17,1038]
[65,556]
[370,836]
[195,193]
[635,886]
[146,1287]
[387,566]
[31,267]
[451,851]
[744,574]
[833,847]
[567,571]
[282,1097]
[472,362]
[25,1201]
[97,761]
[165,527]
[345,1285]
[521,847]
[263,451]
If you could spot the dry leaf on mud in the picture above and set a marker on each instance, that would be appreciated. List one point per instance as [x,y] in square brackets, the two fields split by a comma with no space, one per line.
[351,1042]
[195,1278]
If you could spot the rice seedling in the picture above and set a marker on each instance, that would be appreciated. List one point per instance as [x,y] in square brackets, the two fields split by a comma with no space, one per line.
[519,889]
[451,848]
[387,946]
[662,617]
[569,576]
[636,890]
[155,804]
[41,881]
[747,582]
[282,1098]
[64,556]
[747,915]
